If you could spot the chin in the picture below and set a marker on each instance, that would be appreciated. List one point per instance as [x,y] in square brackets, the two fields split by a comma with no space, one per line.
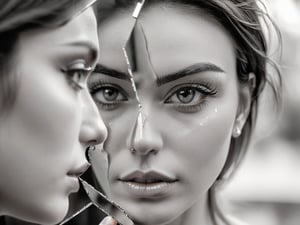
[47,214]
[150,219]
[149,214]
[57,214]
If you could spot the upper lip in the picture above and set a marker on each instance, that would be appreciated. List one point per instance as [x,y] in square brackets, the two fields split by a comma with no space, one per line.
[78,171]
[147,177]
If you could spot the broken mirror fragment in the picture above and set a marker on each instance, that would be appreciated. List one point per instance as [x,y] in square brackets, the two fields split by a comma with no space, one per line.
[106,205]
[103,203]
[77,213]
[99,163]
[138,9]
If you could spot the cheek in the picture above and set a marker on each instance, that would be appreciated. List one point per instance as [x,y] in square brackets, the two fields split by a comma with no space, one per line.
[39,138]
[120,128]
[201,140]
[45,125]
[51,112]
[200,145]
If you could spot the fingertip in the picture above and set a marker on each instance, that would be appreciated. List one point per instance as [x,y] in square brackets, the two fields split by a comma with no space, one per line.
[108,220]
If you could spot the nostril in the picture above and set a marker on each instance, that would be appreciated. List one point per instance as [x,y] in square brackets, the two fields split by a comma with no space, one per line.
[143,150]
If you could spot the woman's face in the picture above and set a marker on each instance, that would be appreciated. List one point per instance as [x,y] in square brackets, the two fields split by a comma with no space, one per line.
[44,137]
[187,84]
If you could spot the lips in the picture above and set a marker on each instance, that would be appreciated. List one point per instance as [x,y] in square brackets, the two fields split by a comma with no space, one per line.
[147,177]
[148,185]
[72,177]
[78,171]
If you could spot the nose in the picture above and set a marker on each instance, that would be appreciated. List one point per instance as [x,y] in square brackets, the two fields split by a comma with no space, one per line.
[146,141]
[93,131]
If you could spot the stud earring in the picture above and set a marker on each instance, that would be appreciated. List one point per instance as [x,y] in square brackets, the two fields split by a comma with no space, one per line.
[132,150]
[236,132]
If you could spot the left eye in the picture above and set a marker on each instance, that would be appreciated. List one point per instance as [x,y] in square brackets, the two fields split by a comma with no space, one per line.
[186,96]
[189,98]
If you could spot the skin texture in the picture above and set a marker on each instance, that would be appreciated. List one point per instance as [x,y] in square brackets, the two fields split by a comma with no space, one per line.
[188,142]
[44,137]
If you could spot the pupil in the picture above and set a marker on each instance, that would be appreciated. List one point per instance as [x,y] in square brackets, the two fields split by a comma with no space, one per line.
[186,95]
[110,94]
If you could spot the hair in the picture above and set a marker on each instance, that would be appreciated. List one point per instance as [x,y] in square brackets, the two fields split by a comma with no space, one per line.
[245,21]
[17,16]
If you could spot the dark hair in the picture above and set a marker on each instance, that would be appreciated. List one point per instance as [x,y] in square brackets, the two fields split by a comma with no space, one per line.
[17,16]
[244,21]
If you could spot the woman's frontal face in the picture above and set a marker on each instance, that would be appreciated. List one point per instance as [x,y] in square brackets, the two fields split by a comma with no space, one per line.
[185,74]
[44,137]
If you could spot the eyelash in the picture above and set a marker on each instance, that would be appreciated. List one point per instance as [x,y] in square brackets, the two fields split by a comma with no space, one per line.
[97,86]
[204,89]
[82,74]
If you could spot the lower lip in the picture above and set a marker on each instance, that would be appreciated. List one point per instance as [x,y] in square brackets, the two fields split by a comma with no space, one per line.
[73,184]
[150,190]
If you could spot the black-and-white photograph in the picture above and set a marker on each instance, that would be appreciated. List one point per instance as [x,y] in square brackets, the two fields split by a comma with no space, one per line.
[149,112]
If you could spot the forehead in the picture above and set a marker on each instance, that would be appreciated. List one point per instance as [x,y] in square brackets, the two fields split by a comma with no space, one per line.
[175,36]
[82,28]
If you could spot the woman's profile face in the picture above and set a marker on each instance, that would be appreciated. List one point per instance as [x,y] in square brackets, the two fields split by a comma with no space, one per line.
[187,84]
[44,136]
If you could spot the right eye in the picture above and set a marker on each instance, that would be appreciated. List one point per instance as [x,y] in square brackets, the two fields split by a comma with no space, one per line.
[77,74]
[108,96]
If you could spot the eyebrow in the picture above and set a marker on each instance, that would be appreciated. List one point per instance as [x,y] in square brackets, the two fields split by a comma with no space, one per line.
[188,71]
[92,49]
[161,80]
[111,72]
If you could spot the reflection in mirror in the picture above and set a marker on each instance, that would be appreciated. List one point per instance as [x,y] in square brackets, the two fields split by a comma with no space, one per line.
[166,162]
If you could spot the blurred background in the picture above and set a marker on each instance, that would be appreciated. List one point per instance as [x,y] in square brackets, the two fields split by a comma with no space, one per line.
[266,188]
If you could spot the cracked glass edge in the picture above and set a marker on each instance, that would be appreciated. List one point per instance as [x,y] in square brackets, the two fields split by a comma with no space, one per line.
[107,206]
[148,53]
[139,124]
[76,213]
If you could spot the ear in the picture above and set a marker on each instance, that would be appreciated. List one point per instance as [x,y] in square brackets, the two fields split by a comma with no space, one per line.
[245,99]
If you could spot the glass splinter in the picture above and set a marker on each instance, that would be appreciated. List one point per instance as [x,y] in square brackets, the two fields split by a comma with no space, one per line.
[138,9]
[138,128]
